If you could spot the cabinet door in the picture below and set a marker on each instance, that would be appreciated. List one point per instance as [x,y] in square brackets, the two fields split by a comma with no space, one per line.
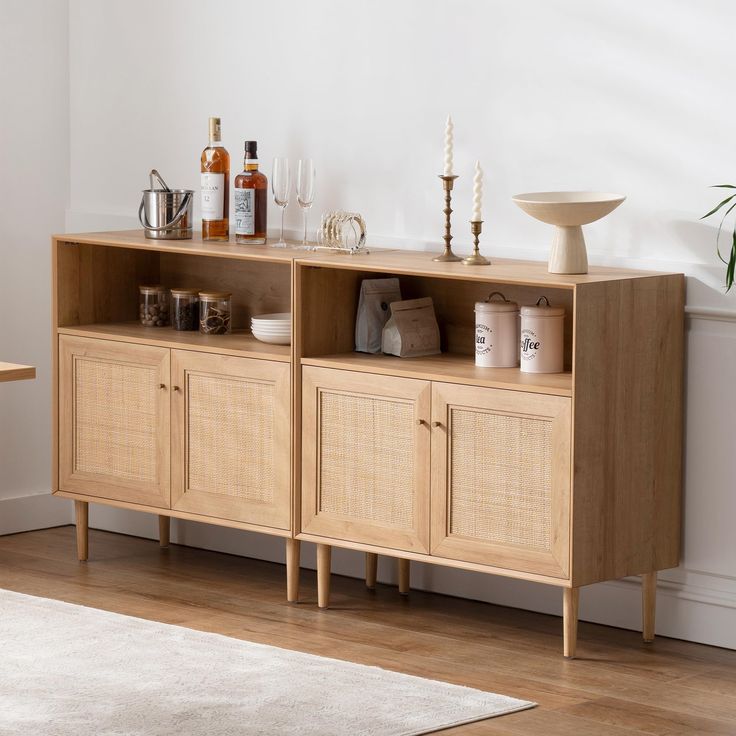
[231,439]
[365,458]
[114,420]
[501,478]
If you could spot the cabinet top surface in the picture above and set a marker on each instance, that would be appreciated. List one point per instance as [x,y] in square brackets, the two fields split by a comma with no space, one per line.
[412,262]
[501,270]
[195,246]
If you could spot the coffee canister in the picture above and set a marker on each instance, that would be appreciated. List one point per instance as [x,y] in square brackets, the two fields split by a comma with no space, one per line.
[497,332]
[542,338]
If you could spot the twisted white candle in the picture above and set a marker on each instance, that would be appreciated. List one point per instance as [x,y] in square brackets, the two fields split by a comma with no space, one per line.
[477,192]
[448,146]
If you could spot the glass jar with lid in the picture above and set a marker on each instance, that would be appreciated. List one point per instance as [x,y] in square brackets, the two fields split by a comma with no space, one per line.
[214,312]
[154,306]
[185,309]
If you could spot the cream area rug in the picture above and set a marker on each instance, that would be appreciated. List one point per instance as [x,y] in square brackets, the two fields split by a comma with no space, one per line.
[67,670]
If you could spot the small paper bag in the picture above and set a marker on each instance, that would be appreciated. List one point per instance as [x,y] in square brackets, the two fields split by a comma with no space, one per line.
[373,310]
[411,330]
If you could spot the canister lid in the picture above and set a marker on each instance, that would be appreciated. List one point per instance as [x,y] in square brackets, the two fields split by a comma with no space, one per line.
[542,310]
[499,305]
[215,294]
[151,289]
[185,292]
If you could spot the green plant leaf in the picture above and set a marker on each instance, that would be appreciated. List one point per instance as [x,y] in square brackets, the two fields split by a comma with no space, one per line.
[718,234]
[715,209]
[723,186]
[731,264]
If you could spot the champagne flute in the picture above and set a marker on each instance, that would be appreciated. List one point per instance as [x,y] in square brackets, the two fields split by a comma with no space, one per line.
[280,186]
[305,186]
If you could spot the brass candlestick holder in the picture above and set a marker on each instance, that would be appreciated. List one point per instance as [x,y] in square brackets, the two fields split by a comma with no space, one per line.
[448,256]
[476,259]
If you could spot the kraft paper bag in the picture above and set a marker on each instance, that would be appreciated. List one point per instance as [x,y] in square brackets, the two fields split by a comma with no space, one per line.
[373,312]
[412,329]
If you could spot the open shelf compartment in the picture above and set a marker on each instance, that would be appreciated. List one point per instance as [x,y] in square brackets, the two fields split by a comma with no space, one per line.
[325,328]
[96,294]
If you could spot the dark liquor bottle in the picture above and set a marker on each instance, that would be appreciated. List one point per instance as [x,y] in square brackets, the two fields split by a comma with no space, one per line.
[215,186]
[251,199]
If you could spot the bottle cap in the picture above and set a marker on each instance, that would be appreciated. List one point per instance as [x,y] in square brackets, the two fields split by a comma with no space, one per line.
[251,149]
[214,129]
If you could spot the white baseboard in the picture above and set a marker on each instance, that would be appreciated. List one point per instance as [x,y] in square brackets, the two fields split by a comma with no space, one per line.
[40,511]
[692,606]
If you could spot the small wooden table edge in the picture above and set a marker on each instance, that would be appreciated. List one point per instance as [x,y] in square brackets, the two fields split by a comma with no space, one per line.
[15,372]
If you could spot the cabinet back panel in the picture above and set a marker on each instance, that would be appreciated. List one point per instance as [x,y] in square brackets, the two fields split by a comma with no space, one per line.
[258,287]
[329,305]
[454,305]
[97,284]
[329,302]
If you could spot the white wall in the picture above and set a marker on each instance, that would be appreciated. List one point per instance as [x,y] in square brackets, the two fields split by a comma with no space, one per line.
[34,188]
[565,94]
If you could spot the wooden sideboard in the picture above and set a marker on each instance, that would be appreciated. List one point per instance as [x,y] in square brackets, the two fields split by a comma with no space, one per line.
[567,479]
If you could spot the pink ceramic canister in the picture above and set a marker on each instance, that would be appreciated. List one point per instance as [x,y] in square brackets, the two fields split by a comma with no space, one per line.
[497,332]
[542,338]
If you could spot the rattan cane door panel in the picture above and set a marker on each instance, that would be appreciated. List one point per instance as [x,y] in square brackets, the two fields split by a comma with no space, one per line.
[365,458]
[231,448]
[114,420]
[501,478]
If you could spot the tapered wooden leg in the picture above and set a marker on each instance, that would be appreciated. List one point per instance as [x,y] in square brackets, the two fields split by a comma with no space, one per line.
[324,558]
[164,530]
[648,604]
[81,512]
[404,576]
[570,599]
[293,547]
[371,569]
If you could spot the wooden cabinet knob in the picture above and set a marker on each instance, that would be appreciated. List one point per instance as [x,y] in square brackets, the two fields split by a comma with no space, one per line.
[162,385]
[436,424]
[421,422]
[176,388]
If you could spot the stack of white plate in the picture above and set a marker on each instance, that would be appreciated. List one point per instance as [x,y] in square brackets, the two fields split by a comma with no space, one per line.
[273,328]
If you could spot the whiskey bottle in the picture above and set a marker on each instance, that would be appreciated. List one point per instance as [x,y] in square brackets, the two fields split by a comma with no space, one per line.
[251,199]
[215,186]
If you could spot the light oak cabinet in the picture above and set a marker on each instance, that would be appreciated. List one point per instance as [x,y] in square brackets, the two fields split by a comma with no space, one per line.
[114,417]
[564,479]
[501,478]
[365,475]
[231,438]
[195,432]
[497,463]
[178,424]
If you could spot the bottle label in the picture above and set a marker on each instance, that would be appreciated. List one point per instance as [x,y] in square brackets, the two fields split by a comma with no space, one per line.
[245,211]
[213,196]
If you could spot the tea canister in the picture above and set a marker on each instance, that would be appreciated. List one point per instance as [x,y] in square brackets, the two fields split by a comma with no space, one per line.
[542,338]
[497,332]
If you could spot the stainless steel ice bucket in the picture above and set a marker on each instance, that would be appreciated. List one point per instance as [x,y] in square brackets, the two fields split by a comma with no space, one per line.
[167,214]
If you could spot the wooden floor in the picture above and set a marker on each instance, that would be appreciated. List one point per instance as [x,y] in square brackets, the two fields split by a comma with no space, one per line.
[617,686]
